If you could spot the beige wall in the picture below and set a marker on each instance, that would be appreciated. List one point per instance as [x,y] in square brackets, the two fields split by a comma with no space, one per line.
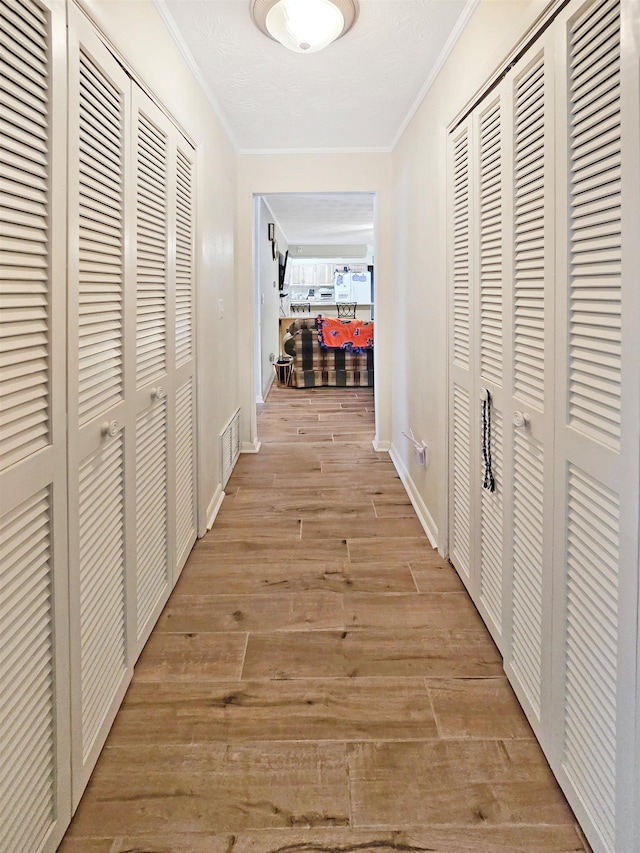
[419,214]
[260,175]
[139,34]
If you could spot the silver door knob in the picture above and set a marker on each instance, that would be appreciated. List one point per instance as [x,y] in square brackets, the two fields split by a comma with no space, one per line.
[521,420]
[158,393]
[110,428]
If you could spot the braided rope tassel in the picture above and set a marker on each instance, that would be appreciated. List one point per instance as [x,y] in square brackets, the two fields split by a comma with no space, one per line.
[489,481]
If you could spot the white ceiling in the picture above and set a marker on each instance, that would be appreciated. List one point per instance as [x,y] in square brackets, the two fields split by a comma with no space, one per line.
[358,93]
[324,218]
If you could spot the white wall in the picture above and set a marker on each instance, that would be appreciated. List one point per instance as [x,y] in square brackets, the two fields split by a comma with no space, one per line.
[264,174]
[268,296]
[139,34]
[419,215]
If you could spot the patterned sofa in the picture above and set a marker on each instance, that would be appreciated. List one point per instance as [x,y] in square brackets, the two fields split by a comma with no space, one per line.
[315,366]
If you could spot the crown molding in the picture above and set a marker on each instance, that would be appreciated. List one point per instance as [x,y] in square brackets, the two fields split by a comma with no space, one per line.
[195,70]
[455,34]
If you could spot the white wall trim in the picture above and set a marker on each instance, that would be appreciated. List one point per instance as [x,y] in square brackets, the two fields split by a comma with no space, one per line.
[455,34]
[251,446]
[194,68]
[381,446]
[214,506]
[424,516]
[269,384]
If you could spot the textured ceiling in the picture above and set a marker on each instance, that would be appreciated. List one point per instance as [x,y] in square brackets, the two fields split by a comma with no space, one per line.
[355,94]
[324,218]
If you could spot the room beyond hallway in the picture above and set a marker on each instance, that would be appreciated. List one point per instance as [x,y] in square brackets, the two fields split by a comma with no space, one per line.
[319,679]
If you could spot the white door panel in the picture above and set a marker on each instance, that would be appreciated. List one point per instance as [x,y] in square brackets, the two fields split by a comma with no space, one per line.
[461,433]
[596,453]
[101,426]
[561,599]
[154,397]
[488,393]
[35,784]
[529,407]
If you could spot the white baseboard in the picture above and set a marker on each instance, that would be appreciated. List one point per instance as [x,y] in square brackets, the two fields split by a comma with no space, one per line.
[424,516]
[381,446]
[269,384]
[214,506]
[251,446]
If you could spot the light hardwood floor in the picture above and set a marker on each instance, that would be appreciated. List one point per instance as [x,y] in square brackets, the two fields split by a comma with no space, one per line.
[320,680]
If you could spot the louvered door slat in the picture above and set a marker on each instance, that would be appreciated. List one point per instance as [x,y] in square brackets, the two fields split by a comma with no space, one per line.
[595,316]
[184,259]
[490,225]
[185,496]
[151,251]
[460,236]
[529,244]
[27,762]
[591,757]
[151,512]
[101,274]
[491,510]
[528,536]
[461,527]
[592,636]
[102,583]
[24,235]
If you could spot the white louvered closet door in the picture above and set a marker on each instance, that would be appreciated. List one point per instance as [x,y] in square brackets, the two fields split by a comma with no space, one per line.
[34,708]
[462,456]
[490,320]
[183,432]
[597,431]
[529,405]
[101,414]
[153,163]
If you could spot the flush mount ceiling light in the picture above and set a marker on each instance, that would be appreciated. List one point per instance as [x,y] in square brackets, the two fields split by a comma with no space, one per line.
[304,26]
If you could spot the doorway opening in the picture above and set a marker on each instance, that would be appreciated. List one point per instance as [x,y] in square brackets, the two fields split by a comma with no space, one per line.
[314,266]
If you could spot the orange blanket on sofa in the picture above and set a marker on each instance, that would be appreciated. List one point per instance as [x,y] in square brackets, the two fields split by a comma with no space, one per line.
[354,335]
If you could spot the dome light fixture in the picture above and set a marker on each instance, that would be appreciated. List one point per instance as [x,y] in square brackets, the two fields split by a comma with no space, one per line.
[304,26]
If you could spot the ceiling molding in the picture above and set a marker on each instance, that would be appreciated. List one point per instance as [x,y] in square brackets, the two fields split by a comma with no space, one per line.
[194,68]
[457,31]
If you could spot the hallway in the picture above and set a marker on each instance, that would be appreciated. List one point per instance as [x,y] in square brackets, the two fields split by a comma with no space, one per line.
[319,679]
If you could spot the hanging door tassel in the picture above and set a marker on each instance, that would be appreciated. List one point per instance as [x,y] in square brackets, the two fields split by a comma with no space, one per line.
[489,481]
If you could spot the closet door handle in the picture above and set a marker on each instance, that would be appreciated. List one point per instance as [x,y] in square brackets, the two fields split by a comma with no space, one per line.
[158,393]
[110,428]
[521,420]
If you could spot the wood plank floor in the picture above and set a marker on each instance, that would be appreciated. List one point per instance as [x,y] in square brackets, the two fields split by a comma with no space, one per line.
[320,680]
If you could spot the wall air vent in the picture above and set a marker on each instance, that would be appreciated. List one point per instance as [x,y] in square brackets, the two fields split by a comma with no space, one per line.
[229,447]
